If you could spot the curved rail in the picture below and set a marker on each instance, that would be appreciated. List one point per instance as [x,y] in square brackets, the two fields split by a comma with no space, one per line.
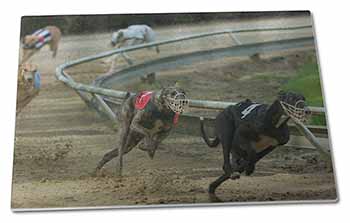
[159,43]
[157,65]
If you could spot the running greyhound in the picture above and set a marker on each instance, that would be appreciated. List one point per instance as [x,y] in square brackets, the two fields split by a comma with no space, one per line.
[50,35]
[248,131]
[133,35]
[146,120]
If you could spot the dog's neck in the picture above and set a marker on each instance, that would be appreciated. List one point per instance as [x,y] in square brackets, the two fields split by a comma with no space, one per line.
[284,118]
[159,102]
[275,115]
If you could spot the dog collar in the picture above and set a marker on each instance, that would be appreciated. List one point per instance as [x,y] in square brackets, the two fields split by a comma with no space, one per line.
[176,118]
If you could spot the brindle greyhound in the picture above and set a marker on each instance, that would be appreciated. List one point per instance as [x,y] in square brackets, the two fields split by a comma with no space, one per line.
[146,120]
[249,131]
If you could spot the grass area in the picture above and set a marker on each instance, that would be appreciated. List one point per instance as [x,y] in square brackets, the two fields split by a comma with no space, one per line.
[307,82]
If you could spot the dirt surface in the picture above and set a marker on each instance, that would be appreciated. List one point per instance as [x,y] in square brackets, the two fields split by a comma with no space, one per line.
[59,140]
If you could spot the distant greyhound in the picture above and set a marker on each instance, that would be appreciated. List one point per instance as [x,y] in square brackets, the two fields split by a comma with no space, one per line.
[133,35]
[50,35]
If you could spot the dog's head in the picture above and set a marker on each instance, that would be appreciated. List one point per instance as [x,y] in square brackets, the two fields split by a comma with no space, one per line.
[29,41]
[27,72]
[116,37]
[174,98]
[294,105]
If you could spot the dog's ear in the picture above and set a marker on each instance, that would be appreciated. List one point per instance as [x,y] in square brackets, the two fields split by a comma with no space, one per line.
[273,114]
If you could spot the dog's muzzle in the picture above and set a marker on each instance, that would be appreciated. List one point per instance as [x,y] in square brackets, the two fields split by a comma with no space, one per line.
[298,111]
[178,104]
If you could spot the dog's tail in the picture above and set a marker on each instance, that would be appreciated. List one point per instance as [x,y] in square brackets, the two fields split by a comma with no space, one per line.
[210,143]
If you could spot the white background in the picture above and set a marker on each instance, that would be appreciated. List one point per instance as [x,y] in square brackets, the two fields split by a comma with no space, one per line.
[332,27]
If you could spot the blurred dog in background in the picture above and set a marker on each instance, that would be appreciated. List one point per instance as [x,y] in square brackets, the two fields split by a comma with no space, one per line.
[133,35]
[50,35]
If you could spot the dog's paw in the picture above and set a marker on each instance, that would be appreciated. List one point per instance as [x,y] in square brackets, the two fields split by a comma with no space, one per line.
[214,198]
[242,164]
[151,154]
[97,172]
[211,189]
[249,169]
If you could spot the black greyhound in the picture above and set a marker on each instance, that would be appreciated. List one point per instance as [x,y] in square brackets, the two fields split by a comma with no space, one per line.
[248,131]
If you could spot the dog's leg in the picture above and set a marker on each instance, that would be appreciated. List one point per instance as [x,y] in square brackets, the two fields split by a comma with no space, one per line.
[225,131]
[53,48]
[27,53]
[122,149]
[243,143]
[157,139]
[54,53]
[251,156]
[113,63]
[133,140]
[218,182]
[106,158]
[128,43]
[235,165]
[129,138]
[127,58]
[263,153]
[123,132]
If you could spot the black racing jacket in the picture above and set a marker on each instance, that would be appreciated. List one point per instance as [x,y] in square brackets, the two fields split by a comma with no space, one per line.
[255,114]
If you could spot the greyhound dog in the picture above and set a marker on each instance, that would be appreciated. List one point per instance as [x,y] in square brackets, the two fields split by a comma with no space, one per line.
[146,120]
[133,35]
[28,84]
[248,131]
[50,35]
[26,73]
